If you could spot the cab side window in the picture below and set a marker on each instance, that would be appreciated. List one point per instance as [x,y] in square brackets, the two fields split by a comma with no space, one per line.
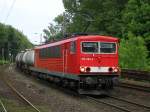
[72,47]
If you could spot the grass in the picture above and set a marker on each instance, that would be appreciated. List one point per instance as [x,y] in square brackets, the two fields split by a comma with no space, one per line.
[3,62]
[13,106]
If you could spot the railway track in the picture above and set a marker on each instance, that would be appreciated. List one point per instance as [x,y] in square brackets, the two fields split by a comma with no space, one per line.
[125,106]
[127,102]
[109,104]
[2,107]
[136,87]
[122,108]
[22,97]
[131,102]
[14,90]
[101,101]
[136,74]
[112,98]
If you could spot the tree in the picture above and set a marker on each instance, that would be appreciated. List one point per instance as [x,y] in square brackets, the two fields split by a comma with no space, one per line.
[133,53]
[57,29]
[136,19]
[105,15]
[12,41]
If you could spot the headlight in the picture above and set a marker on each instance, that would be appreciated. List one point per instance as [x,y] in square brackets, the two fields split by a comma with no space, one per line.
[85,69]
[82,69]
[115,70]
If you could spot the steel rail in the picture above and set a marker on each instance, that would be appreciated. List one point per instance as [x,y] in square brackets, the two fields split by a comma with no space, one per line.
[124,100]
[136,74]
[22,97]
[3,106]
[137,87]
[109,104]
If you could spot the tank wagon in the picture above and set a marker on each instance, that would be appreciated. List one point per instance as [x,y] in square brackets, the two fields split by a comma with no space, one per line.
[19,59]
[25,59]
[88,63]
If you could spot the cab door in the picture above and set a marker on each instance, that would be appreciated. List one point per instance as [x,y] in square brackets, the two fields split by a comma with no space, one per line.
[65,60]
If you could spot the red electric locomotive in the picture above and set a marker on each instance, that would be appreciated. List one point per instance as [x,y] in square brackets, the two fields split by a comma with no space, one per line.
[86,62]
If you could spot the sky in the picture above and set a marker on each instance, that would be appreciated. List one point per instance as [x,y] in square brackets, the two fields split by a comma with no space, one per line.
[30,16]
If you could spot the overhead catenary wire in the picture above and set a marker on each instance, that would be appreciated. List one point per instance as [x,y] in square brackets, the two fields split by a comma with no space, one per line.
[10,10]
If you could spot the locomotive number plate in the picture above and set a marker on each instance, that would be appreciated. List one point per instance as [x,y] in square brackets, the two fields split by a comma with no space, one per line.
[99,68]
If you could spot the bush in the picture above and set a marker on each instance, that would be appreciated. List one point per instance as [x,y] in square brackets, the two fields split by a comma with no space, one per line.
[3,62]
[133,53]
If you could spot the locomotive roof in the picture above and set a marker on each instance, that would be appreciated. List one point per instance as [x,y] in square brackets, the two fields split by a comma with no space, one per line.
[98,37]
[82,38]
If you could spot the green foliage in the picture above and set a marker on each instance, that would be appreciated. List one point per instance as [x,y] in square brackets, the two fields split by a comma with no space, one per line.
[11,41]
[54,31]
[136,19]
[101,16]
[3,62]
[133,53]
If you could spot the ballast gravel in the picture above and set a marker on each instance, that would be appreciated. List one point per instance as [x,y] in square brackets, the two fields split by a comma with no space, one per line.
[40,92]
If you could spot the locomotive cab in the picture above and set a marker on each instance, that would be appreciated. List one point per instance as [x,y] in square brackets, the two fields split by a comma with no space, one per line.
[99,57]
[98,62]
